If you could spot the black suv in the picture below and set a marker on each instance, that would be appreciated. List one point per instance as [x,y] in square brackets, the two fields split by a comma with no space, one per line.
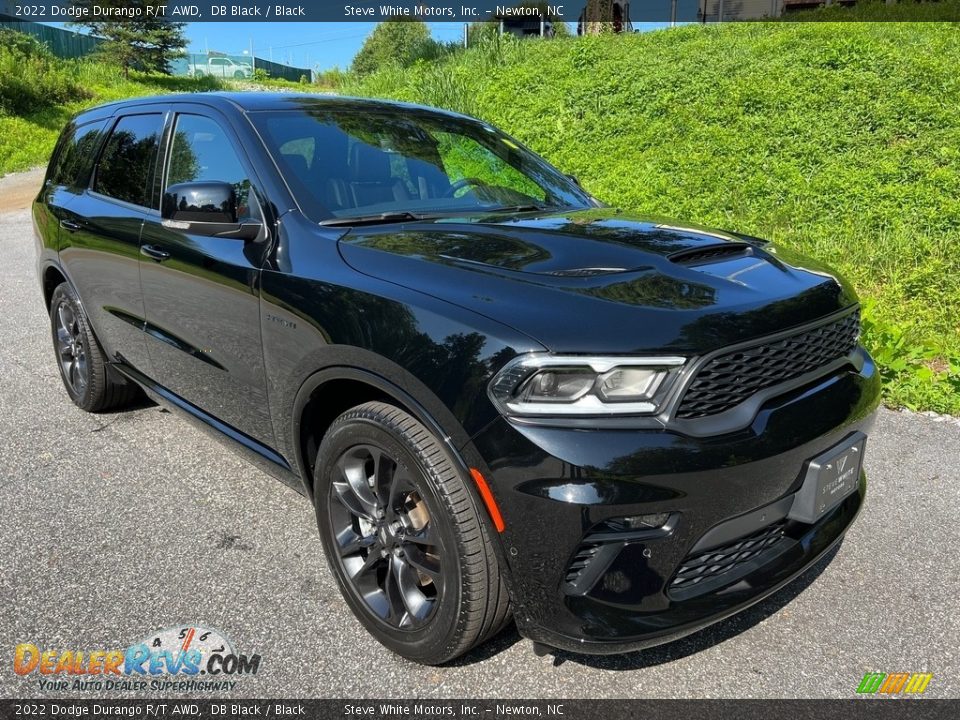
[503,397]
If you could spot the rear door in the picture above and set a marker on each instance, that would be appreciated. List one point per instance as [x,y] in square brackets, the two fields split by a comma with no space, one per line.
[202,294]
[66,178]
[100,233]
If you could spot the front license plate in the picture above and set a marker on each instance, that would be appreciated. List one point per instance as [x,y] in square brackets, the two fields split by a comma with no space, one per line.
[831,477]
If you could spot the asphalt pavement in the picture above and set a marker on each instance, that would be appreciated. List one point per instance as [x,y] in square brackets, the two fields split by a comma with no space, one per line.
[116,526]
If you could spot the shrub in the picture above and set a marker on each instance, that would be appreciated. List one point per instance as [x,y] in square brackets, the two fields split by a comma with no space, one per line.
[31,77]
[397,42]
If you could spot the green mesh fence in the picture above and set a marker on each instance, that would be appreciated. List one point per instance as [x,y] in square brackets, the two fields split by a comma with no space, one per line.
[68,44]
[224,65]
[62,43]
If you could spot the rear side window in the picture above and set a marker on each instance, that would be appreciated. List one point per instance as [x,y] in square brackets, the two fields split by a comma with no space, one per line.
[71,165]
[126,165]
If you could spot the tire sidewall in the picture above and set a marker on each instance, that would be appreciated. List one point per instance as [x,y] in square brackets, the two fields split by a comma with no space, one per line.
[438,637]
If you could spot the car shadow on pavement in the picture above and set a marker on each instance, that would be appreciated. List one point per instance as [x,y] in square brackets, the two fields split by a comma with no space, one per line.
[697,642]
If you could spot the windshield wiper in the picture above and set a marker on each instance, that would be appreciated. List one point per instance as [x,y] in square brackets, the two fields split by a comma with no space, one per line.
[387,217]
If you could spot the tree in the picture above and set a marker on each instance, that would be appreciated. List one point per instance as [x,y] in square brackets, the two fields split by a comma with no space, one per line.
[484,31]
[395,42]
[146,41]
[597,17]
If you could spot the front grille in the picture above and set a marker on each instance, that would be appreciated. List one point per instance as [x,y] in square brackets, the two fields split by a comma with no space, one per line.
[731,378]
[711,569]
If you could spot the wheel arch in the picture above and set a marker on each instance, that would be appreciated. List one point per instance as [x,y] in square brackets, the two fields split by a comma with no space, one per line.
[52,277]
[329,392]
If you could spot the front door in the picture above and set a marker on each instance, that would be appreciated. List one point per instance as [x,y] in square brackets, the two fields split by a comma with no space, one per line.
[202,294]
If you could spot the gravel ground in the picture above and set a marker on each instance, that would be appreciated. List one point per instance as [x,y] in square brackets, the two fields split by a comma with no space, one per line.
[119,525]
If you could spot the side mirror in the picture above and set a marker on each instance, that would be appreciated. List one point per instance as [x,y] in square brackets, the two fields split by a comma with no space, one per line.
[205,208]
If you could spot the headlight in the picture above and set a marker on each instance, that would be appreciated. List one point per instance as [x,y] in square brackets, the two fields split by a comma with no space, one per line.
[577,385]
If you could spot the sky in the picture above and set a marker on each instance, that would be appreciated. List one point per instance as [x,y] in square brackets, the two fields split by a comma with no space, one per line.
[320,45]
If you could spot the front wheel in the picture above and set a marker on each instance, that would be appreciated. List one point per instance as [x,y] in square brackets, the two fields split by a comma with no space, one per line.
[403,537]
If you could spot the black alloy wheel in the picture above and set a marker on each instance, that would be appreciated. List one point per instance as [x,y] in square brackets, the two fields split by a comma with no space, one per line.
[90,382]
[71,351]
[404,538]
[384,536]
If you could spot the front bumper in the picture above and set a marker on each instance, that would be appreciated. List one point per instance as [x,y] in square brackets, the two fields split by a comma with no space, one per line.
[556,486]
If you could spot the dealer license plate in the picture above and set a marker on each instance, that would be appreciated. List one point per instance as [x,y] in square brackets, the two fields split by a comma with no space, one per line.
[831,477]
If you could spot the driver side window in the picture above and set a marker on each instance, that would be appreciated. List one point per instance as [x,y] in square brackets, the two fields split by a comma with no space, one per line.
[202,151]
[464,157]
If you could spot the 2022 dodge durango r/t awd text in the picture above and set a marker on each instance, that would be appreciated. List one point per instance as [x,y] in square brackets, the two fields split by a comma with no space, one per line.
[502,397]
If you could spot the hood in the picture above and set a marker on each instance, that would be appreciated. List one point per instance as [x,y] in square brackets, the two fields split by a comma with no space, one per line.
[601,281]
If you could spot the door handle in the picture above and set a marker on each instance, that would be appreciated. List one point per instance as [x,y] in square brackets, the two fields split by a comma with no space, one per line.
[154,253]
[71,225]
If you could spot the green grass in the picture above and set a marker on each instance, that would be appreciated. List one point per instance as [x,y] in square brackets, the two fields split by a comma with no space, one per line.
[878,10]
[27,139]
[841,140]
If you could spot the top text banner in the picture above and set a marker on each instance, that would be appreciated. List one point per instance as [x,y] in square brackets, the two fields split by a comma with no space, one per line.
[514,14]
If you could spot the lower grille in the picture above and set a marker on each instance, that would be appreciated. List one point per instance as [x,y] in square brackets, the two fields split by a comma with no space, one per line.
[723,565]
[730,378]
[585,553]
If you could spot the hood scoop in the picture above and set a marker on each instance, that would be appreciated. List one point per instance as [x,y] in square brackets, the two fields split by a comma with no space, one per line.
[719,252]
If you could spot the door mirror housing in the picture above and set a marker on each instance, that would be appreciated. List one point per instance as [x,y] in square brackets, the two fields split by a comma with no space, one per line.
[205,208]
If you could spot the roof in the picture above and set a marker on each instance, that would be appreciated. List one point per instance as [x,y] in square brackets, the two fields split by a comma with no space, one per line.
[254,101]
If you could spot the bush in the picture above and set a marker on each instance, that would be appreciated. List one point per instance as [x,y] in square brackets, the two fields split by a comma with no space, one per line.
[397,43]
[31,77]
[259,74]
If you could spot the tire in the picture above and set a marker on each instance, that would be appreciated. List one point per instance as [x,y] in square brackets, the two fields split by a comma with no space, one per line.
[427,586]
[91,383]
[198,73]
[239,75]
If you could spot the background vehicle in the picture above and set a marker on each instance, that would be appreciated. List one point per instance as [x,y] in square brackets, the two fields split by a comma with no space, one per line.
[498,394]
[221,67]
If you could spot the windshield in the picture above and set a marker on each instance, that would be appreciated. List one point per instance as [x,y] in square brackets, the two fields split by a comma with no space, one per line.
[343,164]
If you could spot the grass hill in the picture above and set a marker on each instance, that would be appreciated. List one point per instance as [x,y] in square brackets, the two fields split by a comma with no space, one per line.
[838,139]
